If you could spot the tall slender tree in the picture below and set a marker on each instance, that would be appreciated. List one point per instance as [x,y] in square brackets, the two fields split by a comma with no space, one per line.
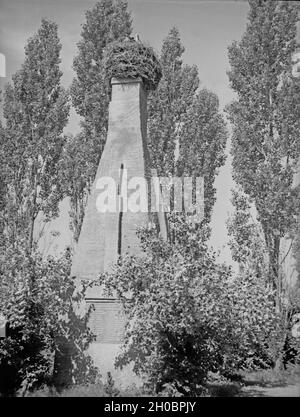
[168,104]
[246,239]
[202,142]
[36,111]
[265,119]
[186,131]
[36,294]
[107,21]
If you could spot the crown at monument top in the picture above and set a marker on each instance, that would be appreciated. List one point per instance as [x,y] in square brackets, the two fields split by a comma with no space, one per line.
[131,59]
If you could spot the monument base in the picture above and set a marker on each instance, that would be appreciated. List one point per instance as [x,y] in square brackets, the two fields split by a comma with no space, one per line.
[107,322]
[104,356]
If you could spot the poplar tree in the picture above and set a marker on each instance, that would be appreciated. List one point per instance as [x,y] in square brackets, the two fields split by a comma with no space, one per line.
[202,143]
[168,104]
[36,294]
[107,21]
[35,111]
[186,131]
[265,119]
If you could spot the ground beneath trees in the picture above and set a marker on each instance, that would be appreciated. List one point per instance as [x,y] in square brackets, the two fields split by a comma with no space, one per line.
[281,391]
[266,383]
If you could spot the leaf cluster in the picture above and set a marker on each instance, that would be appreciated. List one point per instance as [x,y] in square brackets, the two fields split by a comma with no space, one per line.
[39,304]
[187,314]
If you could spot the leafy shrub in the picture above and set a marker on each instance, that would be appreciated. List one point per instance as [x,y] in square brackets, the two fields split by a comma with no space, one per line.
[39,305]
[249,249]
[187,315]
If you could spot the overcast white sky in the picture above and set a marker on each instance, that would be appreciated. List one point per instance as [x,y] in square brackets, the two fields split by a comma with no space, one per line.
[206,27]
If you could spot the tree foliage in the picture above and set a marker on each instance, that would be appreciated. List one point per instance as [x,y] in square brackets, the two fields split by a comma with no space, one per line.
[202,142]
[168,103]
[249,249]
[37,295]
[247,241]
[35,111]
[187,315]
[38,300]
[186,131]
[266,120]
[174,108]
[106,22]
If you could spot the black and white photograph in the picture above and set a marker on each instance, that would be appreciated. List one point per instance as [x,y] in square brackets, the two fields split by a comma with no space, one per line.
[149,201]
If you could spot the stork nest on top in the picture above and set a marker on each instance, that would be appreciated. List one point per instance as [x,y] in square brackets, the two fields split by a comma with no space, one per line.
[131,59]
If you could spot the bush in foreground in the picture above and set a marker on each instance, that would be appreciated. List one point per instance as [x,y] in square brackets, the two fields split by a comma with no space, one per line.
[187,315]
[43,324]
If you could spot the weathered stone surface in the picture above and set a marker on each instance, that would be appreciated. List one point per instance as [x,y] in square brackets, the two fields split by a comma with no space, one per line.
[97,247]
[101,236]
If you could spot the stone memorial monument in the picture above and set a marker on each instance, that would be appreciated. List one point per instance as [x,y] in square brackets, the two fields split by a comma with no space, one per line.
[105,234]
